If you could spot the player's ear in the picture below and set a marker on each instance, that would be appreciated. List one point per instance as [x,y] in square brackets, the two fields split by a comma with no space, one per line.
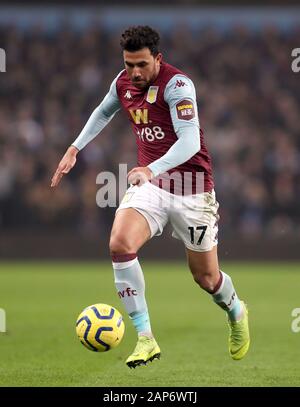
[158,57]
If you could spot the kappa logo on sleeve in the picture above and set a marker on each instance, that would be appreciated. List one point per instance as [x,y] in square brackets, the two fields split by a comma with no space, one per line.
[185,110]
[179,84]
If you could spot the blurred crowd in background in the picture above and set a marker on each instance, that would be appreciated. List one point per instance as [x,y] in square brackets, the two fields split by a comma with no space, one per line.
[249,108]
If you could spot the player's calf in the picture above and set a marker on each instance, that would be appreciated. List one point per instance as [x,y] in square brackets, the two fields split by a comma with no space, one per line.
[221,288]
[207,281]
[130,284]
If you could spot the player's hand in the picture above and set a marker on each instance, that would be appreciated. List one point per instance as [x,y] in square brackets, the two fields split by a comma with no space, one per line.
[139,175]
[67,163]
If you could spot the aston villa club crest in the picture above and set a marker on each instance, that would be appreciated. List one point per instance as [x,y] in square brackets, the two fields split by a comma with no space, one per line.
[152,94]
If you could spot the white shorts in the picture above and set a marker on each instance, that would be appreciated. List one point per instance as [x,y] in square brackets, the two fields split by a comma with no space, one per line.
[194,218]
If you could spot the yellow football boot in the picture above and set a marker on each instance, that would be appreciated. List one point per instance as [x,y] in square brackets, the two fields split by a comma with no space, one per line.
[145,351]
[239,338]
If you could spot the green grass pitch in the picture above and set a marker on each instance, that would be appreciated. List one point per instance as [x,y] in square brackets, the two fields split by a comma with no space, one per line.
[43,300]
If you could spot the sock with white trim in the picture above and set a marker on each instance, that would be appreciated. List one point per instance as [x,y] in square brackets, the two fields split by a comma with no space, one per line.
[130,284]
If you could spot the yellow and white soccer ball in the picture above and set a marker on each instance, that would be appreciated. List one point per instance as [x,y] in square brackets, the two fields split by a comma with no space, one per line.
[100,327]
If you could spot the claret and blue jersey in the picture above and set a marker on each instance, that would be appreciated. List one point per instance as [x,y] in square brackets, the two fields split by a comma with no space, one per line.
[164,119]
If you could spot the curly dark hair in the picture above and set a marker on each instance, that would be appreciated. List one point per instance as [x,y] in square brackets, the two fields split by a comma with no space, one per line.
[139,37]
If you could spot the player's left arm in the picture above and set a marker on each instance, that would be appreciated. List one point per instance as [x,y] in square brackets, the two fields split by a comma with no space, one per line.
[180,95]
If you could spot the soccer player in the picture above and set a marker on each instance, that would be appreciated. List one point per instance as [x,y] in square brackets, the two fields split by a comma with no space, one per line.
[160,102]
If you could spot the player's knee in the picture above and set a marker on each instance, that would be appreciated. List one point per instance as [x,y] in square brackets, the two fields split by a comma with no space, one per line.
[119,244]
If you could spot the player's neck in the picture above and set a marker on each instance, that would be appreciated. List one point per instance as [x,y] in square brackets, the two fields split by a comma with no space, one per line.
[156,75]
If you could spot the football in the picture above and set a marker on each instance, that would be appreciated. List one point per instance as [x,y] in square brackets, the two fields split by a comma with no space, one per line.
[100,327]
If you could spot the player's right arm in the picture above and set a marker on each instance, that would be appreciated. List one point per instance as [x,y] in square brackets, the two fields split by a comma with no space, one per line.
[100,117]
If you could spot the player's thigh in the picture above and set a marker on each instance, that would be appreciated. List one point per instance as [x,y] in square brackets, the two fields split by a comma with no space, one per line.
[129,232]
[148,201]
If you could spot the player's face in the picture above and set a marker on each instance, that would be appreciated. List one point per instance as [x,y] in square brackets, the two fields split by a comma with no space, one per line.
[142,67]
